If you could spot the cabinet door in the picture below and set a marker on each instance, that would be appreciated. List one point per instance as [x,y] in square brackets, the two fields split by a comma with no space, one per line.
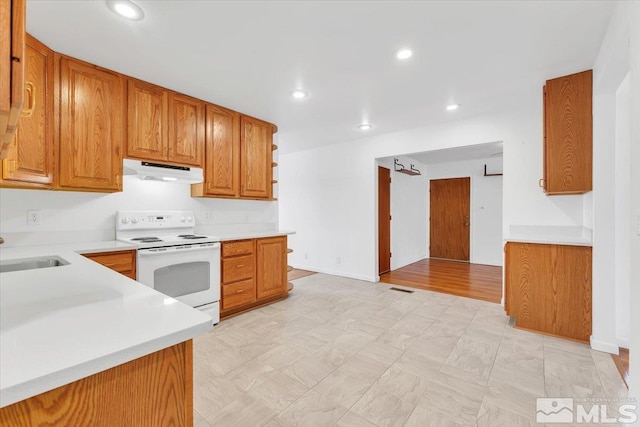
[147,121]
[12,48]
[186,130]
[255,158]
[271,271]
[568,133]
[222,153]
[549,288]
[92,131]
[31,157]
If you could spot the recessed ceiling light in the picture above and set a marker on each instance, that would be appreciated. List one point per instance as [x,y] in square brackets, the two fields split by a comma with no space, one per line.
[365,126]
[403,54]
[126,9]
[452,107]
[299,94]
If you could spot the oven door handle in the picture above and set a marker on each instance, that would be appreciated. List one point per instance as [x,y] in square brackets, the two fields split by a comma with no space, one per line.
[177,250]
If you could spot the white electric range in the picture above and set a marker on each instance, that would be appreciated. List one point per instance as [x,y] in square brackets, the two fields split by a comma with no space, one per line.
[172,259]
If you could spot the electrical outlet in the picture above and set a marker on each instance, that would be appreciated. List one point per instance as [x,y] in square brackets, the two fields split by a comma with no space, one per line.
[245,218]
[34,217]
[208,217]
[306,255]
[338,260]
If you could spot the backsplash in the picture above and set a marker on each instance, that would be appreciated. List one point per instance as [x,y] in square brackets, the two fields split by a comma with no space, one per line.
[68,217]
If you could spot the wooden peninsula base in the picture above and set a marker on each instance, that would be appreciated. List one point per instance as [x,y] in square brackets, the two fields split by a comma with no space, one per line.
[154,390]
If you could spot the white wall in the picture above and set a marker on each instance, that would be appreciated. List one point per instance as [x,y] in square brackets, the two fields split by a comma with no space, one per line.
[76,217]
[610,69]
[622,222]
[634,348]
[328,194]
[486,206]
[409,212]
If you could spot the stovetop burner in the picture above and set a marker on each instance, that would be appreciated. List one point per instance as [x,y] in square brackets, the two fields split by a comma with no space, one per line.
[191,236]
[156,229]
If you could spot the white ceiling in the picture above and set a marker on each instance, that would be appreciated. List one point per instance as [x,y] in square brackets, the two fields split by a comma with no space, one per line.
[249,55]
[489,150]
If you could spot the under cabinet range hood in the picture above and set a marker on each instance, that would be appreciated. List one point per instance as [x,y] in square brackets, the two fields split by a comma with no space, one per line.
[163,172]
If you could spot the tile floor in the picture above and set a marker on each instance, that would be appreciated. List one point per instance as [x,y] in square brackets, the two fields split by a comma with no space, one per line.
[342,352]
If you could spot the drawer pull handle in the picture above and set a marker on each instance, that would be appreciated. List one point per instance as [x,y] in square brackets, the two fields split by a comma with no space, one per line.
[239,291]
[239,265]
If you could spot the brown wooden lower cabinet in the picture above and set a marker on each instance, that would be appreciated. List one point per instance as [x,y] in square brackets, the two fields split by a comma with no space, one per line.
[254,273]
[548,288]
[124,262]
[154,390]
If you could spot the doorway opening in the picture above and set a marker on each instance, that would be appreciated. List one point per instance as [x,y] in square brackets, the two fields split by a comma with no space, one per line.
[446,207]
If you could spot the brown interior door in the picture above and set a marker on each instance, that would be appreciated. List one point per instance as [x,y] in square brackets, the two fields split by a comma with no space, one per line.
[450,218]
[384,220]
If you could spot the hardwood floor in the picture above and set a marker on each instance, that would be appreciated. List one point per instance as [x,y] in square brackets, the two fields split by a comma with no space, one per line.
[297,273]
[482,282]
[622,363]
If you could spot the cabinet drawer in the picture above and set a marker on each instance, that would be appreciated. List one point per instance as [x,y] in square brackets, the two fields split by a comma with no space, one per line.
[241,247]
[123,262]
[237,294]
[234,269]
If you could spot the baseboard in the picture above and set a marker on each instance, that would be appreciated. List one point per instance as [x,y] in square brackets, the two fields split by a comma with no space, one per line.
[623,342]
[603,346]
[336,273]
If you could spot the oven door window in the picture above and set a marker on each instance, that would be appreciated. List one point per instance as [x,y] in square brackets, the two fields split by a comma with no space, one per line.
[183,279]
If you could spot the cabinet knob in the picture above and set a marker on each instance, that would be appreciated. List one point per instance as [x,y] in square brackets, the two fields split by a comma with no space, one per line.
[541,182]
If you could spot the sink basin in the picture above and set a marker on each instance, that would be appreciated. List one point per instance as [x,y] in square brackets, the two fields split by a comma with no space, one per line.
[31,263]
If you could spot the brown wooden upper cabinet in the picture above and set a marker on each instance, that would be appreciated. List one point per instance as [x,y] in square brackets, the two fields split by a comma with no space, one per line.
[238,157]
[222,154]
[164,126]
[92,127]
[147,111]
[12,50]
[186,130]
[30,160]
[256,157]
[568,134]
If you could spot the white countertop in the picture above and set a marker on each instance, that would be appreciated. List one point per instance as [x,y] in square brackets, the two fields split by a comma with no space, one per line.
[548,240]
[235,235]
[61,324]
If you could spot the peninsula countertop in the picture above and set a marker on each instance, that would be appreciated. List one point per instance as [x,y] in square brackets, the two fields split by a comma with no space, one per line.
[61,324]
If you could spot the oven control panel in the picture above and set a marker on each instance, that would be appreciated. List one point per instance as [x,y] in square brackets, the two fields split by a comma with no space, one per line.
[138,220]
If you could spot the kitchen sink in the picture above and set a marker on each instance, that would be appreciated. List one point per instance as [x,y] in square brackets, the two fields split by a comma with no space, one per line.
[31,263]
